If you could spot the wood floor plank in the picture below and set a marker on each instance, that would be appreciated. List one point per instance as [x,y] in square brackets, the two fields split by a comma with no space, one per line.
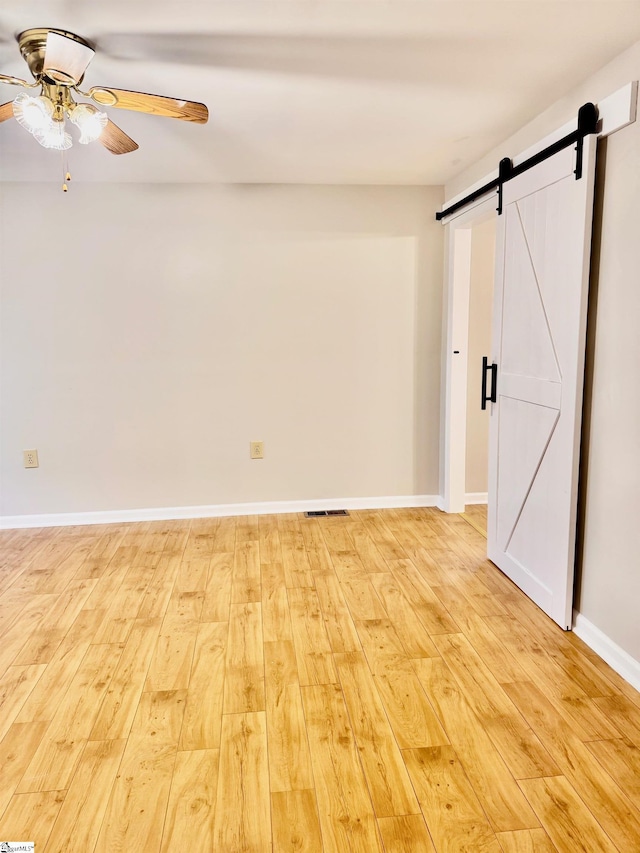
[520,748]
[269,540]
[12,602]
[191,807]
[341,629]
[44,641]
[16,685]
[492,781]
[389,785]
[315,546]
[155,600]
[347,563]
[313,649]
[135,813]
[18,635]
[384,540]
[460,599]
[336,536]
[276,619]
[171,662]
[17,748]
[362,599]
[369,553]
[526,841]
[346,814]
[247,529]
[299,724]
[579,668]
[624,714]
[56,575]
[295,560]
[289,759]
[203,714]
[574,703]
[434,616]
[192,573]
[436,565]
[47,694]
[413,635]
[295,822]
[118,710]
[80,818]
[564,816]
[201,540]
[502,665]
[29,817]
[185,605]
[607,802]
[617,681]
[381,644]
[126,601]
[54,762]
[411,715]
[102,552]
[112,576]
[621,759]
[246,583]
[405,834]
[455,818]
[217,595]
[244,664]
[224,538]
[243,806]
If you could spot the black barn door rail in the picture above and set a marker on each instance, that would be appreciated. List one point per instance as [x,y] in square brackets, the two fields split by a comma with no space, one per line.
[587,124]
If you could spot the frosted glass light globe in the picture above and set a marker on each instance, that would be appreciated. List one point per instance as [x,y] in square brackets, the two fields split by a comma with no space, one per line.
[33,113]
[54,136]
[89,120]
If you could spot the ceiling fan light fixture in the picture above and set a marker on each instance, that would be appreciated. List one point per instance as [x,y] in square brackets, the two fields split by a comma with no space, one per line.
[33,113]
[54,137]
[90,121]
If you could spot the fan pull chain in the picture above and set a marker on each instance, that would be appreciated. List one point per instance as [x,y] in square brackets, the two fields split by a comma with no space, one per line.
[66,174]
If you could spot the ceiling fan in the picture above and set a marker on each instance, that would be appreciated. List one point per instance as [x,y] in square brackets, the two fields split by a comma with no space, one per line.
[57,60]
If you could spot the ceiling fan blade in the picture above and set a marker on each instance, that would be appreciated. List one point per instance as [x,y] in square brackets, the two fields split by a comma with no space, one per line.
[116,140]
[154,104]
[66,59]
[6,111]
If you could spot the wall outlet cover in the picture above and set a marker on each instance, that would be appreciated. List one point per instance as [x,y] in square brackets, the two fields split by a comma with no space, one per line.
[30,458]
[256,449]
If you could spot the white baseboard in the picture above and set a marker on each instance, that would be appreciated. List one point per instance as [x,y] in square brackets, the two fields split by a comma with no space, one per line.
[119,516]
[476,498]
[625,665]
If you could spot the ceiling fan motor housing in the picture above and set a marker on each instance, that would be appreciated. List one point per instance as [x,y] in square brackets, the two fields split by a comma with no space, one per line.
[33,45]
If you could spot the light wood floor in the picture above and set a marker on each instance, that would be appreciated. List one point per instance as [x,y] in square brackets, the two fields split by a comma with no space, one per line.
[476,515]
[362,684]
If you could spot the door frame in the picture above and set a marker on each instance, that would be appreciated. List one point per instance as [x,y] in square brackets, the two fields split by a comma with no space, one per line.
[615,112]
[455,356]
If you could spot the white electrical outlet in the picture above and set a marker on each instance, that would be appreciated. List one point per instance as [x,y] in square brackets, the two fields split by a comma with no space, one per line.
[256,449]
[30,458]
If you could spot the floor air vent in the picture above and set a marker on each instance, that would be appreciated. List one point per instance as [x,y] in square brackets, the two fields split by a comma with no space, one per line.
[322,513]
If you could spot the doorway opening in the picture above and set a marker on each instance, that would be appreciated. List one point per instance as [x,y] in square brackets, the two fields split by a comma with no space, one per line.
[471,261]
[481,278]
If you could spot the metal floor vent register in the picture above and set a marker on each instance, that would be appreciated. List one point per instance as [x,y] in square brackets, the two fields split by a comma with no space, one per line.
[322,513]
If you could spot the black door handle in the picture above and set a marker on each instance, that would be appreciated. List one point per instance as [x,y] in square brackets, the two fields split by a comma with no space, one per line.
[493,370]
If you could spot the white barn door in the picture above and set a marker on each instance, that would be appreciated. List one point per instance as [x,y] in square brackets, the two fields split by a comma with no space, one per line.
[539,322]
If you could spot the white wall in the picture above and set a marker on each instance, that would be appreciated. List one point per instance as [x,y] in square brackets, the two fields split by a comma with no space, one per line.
[483,243]
[609,570]
[149,332]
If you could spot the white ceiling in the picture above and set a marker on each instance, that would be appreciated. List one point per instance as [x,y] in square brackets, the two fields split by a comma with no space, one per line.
[317,91]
